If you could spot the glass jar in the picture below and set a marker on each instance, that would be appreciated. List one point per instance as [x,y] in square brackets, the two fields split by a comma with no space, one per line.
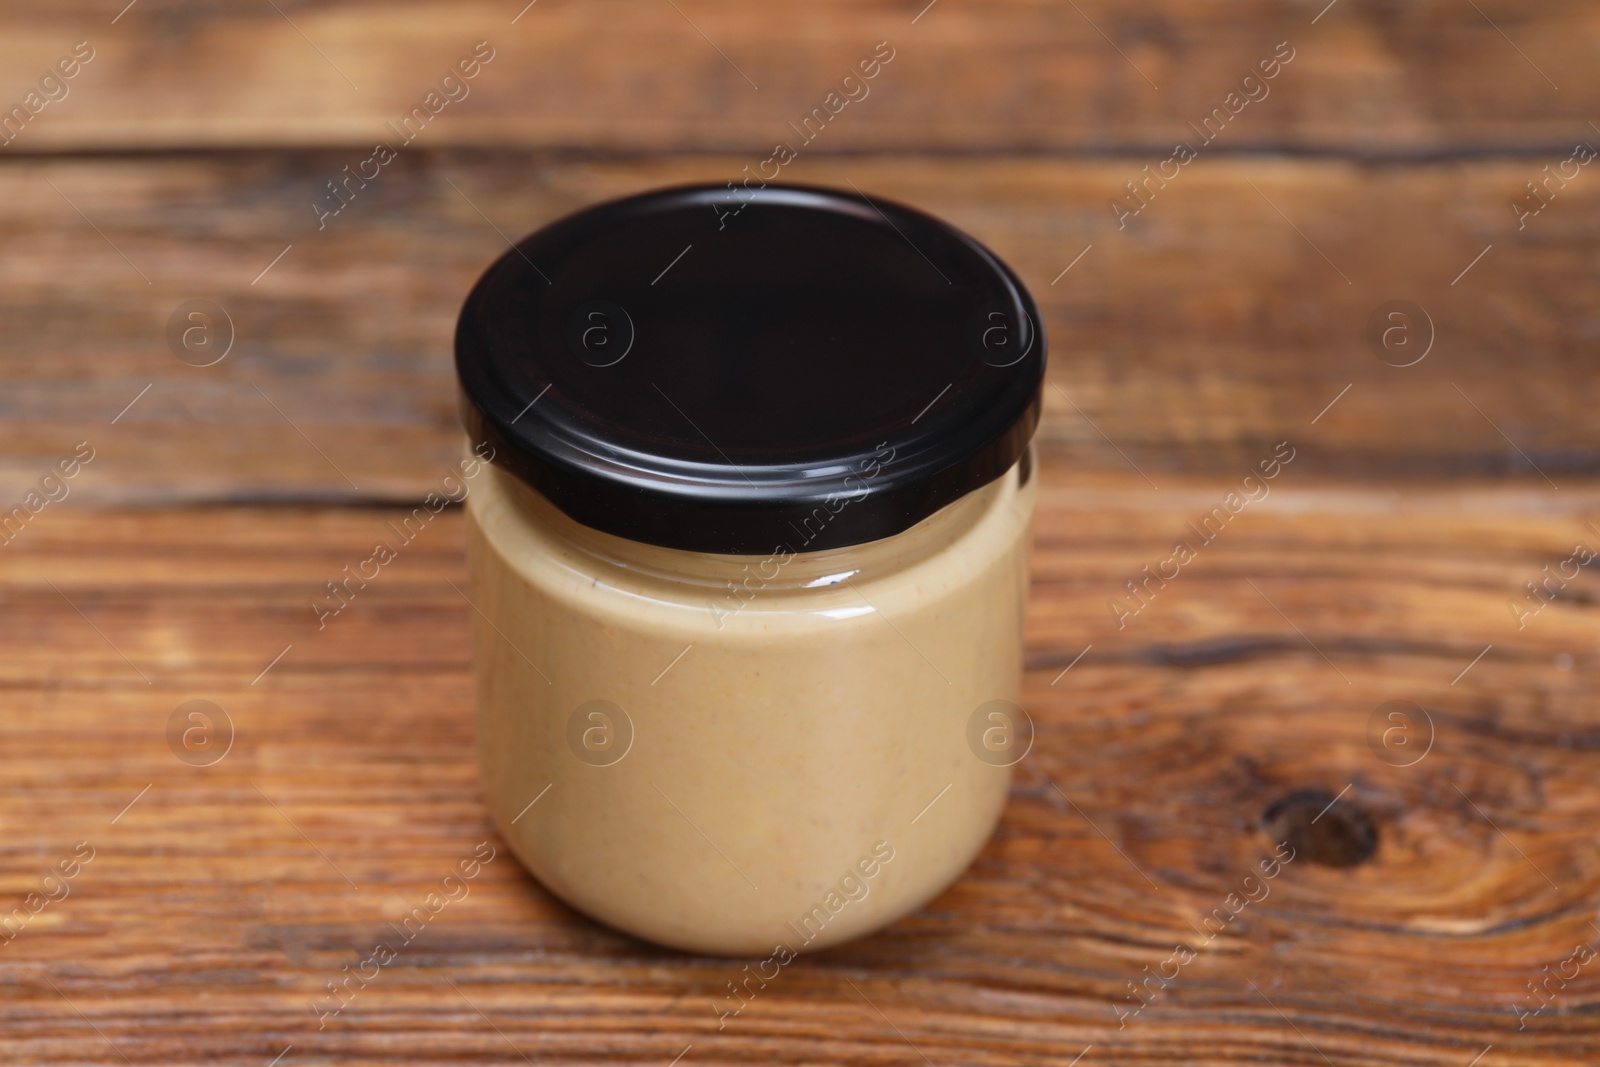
[749,565]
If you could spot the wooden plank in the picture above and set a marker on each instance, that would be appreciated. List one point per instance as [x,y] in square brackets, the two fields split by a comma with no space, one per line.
[1227,316]
[717,75]
[217,905]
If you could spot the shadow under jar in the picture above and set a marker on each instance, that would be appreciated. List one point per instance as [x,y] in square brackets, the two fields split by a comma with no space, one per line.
[750,559]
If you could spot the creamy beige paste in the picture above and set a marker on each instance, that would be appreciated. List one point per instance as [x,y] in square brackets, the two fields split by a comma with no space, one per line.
[785,743]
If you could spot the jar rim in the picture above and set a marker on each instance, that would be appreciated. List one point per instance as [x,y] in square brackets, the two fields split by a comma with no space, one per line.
[789,567]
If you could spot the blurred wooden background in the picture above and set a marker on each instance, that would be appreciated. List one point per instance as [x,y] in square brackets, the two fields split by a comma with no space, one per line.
[1224,317]
[1229,315]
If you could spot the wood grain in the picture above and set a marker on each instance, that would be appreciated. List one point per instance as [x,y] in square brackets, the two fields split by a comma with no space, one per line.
[1369,78]
[1192,340]
[216,906]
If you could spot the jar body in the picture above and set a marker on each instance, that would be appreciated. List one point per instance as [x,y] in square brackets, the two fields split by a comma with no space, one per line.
[729,754]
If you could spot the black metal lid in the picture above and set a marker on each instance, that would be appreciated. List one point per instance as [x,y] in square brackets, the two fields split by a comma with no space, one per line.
[735,370]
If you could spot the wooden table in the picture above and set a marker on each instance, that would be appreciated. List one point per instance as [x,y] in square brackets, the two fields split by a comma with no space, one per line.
[1444,863]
